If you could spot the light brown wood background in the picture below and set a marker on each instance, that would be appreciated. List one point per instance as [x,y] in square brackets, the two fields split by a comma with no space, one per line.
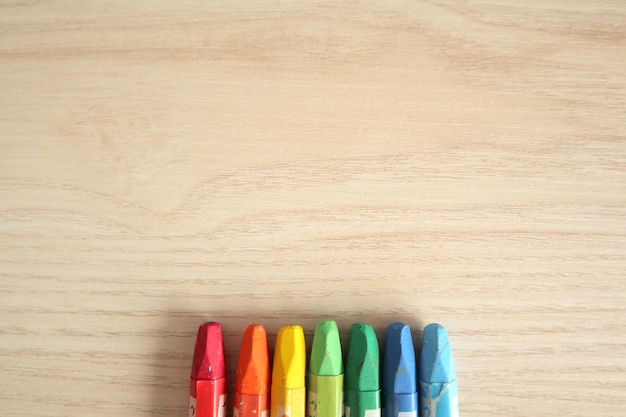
[164,163]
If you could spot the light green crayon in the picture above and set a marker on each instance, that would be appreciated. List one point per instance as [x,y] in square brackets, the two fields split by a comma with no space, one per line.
[325,376]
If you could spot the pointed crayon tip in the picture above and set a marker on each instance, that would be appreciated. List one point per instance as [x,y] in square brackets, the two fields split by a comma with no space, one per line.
[208,355]
[289,358]
[362,366]
[399,368]
[253,366]
[436,364]
[326,359]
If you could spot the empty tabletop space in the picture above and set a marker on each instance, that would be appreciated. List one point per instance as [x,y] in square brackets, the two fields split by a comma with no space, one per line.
[168,163]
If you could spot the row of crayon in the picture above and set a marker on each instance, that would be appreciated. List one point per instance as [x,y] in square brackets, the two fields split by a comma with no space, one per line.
[325,390]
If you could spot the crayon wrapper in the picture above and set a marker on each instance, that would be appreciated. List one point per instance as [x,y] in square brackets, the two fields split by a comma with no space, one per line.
[250,405]
[287,402]
[207,398]
[324,396]
[439,399]
[399,405]
[362,403]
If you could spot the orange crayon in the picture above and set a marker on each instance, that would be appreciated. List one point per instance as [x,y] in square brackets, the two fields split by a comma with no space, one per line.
[253,374]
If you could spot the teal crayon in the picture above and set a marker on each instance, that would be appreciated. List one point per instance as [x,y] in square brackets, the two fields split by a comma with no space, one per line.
[438,389]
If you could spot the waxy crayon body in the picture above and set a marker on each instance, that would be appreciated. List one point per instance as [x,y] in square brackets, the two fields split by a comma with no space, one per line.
[399,392]
[252,383]
[288,375]
[362,386]
[325,376]
[437,382]
[207,385]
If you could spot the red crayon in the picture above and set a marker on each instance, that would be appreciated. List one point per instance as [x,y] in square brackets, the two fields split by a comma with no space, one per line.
[207,387]
[253,375]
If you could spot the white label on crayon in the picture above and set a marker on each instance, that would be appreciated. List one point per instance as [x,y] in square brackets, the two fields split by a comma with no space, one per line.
[343,405]
[192,406]
[282,411]
[372,413]
[347,411]
[221,412]
[455,406]
[264,413]
[407,413]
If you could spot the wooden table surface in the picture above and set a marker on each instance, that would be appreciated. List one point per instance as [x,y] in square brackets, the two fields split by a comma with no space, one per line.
[166,163]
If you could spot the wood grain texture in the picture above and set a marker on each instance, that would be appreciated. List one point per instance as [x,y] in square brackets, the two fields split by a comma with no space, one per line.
[165,163]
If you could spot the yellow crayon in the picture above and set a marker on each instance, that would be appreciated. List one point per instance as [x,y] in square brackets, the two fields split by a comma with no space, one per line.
[288,392]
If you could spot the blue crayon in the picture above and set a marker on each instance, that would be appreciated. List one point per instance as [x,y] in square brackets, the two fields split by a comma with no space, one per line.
[399,373]
[437,381]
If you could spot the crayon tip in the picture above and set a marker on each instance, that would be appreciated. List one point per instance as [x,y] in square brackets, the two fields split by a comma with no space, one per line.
[362,366]
[208,355]
[289,358]
[253,366]
[436,363]
[399,368]
[326,359]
